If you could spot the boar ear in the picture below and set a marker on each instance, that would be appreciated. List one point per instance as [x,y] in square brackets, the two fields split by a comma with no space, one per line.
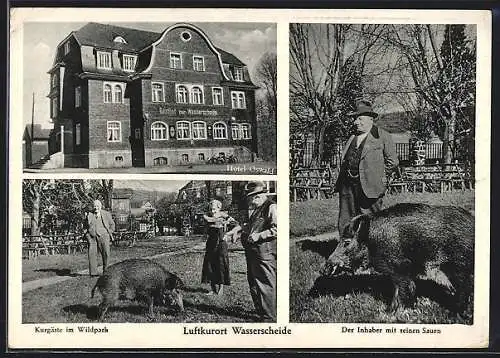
[359,227]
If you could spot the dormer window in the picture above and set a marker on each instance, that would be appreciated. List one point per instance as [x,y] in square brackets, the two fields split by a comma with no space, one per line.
[238,74]
[103,60]
[120,40]
[129,62]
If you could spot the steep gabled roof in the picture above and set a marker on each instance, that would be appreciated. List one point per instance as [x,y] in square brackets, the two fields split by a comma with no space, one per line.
[101,35]
[395,122]
[40,133]
[229,58]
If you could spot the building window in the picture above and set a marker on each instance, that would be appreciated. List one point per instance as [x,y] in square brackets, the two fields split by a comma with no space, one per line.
[246,133]
[123,218]
[160,161]
[143,227]
[108,95]
[196,95]
[238,74]
[103,60]
[217,97]
[114,131]
[238,99]
[199,130]
[183,130]
[119,158]
[185,36]
[54,81]
[54,107]
[229,189]
[67,47]
[129,63]
[78,96]
[185,158]
[235,131]
[175,60]
[159,131]
[198,63]
[158,92]
[220,131]
[78,134]
[201,157]
[118,94]
[120,40]
[182,94]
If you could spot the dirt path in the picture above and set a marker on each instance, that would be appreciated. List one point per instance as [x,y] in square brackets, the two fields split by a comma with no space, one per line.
[34,284]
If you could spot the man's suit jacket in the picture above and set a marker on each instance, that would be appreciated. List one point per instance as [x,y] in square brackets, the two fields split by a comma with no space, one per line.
[378,159]
[107,220]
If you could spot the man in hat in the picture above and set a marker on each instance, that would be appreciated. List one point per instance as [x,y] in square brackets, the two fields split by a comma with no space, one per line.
[368,157]
[258,237]
[100,227]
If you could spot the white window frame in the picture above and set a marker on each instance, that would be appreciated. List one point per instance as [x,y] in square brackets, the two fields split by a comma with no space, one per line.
[100,64]
[242,135]
[78,96]
[120,40]
[191,94]
[185,155]
[128,60]
[193,131]
[115,92]
[78,134]
[238,74]
[156,130]
[54,107]
[113,129]
[214,130]
[177,87]
[235,129]
[235,95]
[153,92]
[201,157]
[177,130]
[198,57]
[221,96]
[173,54]
[67,47]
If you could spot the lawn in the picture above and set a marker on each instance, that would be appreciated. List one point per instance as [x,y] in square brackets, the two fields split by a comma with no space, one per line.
[360,299]
[61,265]
[70,301]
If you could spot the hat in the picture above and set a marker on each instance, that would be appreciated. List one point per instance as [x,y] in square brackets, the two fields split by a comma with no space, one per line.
[364,108]
[255,187]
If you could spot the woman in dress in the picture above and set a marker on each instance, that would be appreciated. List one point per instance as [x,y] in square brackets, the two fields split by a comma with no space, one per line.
[216,262]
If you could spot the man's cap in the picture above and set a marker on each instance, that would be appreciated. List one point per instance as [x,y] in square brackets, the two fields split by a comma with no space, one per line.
[255,187]
[364,108]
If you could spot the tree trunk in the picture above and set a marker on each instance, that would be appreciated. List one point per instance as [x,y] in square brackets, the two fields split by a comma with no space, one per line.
[319,144]
[449,137]
[35,214]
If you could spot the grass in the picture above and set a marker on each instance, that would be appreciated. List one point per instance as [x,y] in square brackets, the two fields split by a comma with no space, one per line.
[61,265]
[70,301]
[362,299]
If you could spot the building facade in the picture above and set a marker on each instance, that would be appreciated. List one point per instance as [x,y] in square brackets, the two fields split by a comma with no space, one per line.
[122,97]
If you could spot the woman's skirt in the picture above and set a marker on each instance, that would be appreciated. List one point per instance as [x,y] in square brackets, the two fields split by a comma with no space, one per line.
[216,261]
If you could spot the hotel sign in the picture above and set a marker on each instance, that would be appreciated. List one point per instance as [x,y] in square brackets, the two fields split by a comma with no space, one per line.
[188,112]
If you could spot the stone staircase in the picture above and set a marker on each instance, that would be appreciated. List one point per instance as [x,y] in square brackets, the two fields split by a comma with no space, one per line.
[53,161]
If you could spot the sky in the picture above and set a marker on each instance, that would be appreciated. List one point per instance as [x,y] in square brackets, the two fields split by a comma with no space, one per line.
[247,41]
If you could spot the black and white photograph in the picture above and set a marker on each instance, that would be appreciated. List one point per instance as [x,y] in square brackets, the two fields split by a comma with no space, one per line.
[142,97]
[382,173]
[116,251]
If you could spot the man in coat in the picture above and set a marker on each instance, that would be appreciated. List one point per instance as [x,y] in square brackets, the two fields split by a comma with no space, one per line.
[368,158]
[258,237]
[100,227]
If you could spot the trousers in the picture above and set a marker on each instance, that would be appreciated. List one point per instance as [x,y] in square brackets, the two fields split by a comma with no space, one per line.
[353,202]
[102,245]
[261,275]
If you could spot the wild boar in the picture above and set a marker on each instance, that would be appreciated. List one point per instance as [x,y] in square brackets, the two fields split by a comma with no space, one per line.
[410,241]
[138,278]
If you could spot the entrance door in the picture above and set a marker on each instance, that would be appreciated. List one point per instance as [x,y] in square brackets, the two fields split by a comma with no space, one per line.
[137,144]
